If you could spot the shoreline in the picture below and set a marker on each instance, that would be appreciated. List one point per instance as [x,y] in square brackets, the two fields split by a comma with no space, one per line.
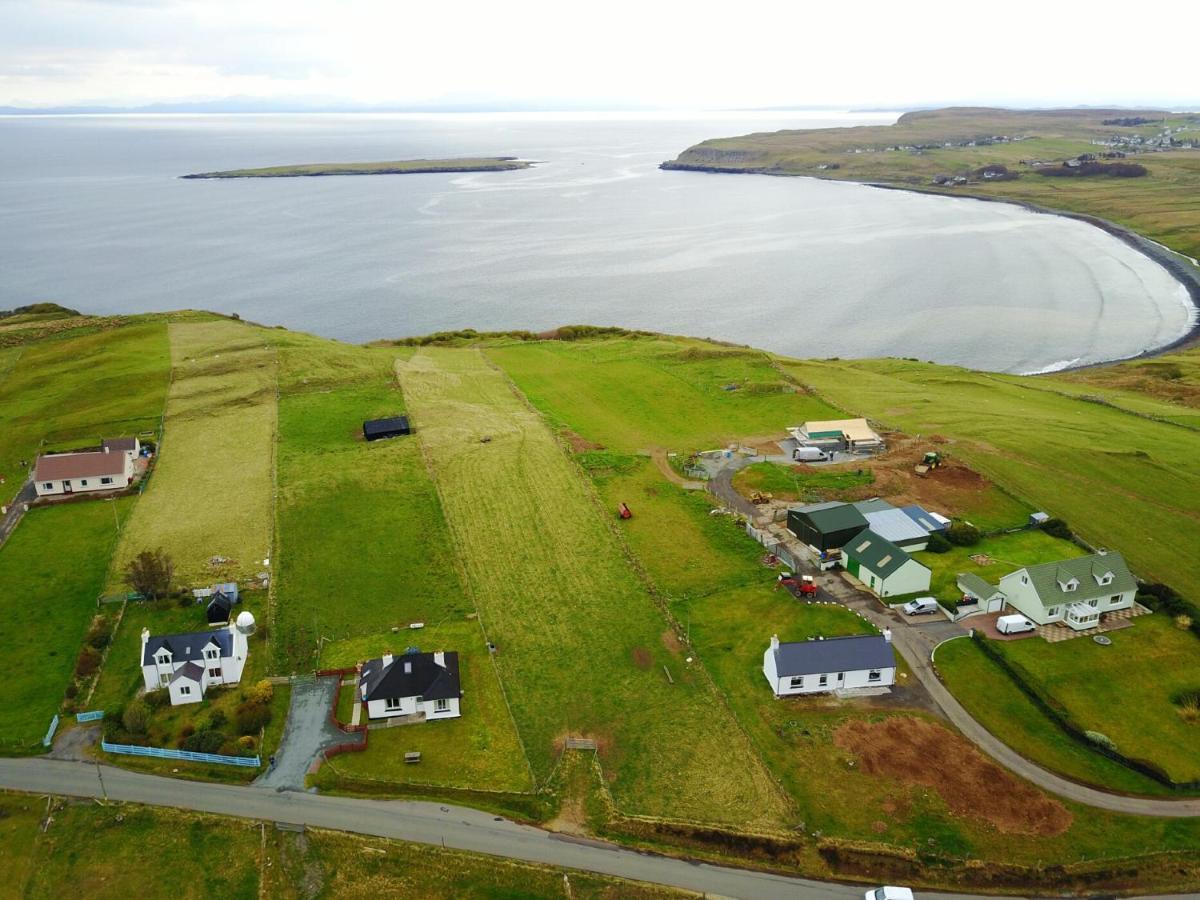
[1185,272]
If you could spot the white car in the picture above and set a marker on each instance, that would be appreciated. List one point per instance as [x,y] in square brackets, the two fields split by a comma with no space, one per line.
[889,893]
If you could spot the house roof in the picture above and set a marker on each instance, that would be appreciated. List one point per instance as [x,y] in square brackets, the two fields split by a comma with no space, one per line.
[426,679]
[853,429]
[93,463]
[896,526]
[840,654]
[875,504]
[828,518]
[121,444]
[1047,579]
[219,607]
[877,553]
[187,646]
[931,522]
[972,584]
[383,426]
[188,672]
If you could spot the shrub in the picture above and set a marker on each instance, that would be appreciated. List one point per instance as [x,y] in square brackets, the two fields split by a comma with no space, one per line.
[1189,710]
[963,534]
[260,692]
[217,719]
[938,543]
[1101,740]
[136,716]
[100,634]
[187,730]
[1183,622]
[247,744]
[1057,528]
[252,717]
[87,663]
[157,699]
[72,691]
[229,748]
[204,742]
[150,573]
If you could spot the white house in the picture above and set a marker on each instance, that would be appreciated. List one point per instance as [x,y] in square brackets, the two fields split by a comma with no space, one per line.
[883,567]
[110,468]
[830,664]
[410,684]
[188,664]
[837,434]
[1074,591]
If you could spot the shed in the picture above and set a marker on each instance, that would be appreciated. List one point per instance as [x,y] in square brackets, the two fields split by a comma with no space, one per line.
[1038,518]
[219,609]
[378,429]
[825,526]
[883,567]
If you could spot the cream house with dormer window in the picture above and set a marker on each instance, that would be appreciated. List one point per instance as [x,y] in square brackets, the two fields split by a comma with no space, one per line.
[1076,592]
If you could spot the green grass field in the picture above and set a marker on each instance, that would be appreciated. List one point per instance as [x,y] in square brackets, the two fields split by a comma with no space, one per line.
[77,389]
[211,492]
[1009,552]
[635,393]
[800,483]
[999,705]
[580,644]
[52,569]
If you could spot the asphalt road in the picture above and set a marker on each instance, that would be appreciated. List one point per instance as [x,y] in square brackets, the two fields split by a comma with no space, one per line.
[425,823]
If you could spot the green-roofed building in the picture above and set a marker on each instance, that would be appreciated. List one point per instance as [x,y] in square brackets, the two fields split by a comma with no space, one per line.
[974,589]
[883,567]
[1077,592]
[825,526]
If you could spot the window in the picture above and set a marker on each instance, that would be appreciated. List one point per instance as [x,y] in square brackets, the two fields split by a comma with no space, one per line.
[83,483]
[1024,579]
[1052,611]
[163,659]
[823,680]
[873,675]
[441,705]
[1070,585]
[211,654]
[105,480]
[1106,578]
[392,704]
[797,681]
[184,690]
[49,486]
[214,673]
[841,676]
[1114,600]
[164,679]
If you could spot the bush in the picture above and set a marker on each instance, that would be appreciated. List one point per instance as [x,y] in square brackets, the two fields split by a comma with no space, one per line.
[217,719]
[87,663]
[938,543]
[260,692]
[1057,528]
[187,730]
[1102,740]
[136,716]
[157,699]
[963,534]
[204,742]
[247,744]
[1183,622]
[100,634]
[72,691]
[252,717]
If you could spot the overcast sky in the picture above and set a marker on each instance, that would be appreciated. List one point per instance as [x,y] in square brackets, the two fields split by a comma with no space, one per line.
[617,53]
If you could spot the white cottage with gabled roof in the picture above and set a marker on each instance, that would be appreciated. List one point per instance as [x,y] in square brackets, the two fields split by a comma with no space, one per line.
[188,664]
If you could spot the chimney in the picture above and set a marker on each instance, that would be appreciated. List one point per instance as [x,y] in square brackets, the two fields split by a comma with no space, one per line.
[387,659]
[887,635]
[145,635]
[440,658]
[774,642]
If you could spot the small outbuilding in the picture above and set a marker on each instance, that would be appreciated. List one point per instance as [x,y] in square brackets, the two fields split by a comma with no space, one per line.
[884,568]
[378,429]
[825,526]
[219,609]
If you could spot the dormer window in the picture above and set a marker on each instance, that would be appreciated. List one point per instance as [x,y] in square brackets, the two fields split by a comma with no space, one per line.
[1069,586]
[163,659]
[1106,578]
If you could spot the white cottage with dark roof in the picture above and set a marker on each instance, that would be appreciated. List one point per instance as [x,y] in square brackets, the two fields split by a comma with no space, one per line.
[831,664]
[414,683]
[188,664]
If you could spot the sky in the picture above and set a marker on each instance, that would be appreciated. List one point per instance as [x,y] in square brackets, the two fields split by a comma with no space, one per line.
[559,53]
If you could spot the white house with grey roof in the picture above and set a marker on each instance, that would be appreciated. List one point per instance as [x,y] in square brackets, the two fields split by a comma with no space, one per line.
[1076,592]
[187,665]
[831,664]
[410,684]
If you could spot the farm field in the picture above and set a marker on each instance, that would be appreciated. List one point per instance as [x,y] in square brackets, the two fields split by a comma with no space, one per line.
[1008,553]
[635,393]
[992,698]
[47,600]
[211,492]
[581,645]
[1120,480]
[804,484]
[78,388]
[477,751]
[1124,691]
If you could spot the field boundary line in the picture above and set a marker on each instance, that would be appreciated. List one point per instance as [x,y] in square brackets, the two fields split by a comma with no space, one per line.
[656,596]
[460,569]
[273,543]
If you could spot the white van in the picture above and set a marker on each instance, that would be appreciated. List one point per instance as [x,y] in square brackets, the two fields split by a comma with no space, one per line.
[922,606]
[890,893]
[810,454]
[1014,625]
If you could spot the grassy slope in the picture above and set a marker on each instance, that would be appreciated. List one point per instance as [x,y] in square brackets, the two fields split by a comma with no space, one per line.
[211,492]
[1010,552]
[79,387]
[397,167]
[570,619]
[1164,205]
[51,571]
[635,393]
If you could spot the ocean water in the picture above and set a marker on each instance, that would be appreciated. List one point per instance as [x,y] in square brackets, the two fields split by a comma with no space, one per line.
[93,216]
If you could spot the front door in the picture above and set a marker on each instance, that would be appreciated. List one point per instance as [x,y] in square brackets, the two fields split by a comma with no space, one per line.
[67,486]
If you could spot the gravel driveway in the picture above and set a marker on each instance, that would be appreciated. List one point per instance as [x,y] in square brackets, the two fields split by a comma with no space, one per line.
[310,730]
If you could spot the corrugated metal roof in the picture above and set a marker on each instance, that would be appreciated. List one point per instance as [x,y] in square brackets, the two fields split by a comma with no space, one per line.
[895,525]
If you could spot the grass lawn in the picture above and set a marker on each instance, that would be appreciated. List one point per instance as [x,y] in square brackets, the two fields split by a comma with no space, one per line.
[581,644]
[805,483]
[362,542]
[1124,690]
[997,703]
[1122,481]
[479,750]
[79,388]
[52,569]
[635,393]
[1010,552]
[211,493]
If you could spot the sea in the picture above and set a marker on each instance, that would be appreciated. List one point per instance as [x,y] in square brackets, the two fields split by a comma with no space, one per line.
[94,215]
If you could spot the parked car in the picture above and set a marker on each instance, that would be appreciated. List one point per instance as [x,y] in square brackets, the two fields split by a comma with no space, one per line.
[922,606]
[1014,625]
[889,893]
[810,454]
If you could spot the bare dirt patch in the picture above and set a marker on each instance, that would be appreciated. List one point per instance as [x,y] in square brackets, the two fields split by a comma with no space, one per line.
[642,658]
[580,444]
[920,752]
[671,641]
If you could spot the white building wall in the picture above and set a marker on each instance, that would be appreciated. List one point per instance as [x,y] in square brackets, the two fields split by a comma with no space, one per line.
[429,707]
[377,709]
[908,579]
[860,678]
[1025,600]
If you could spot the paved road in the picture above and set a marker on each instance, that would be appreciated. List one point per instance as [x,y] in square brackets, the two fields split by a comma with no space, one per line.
[309,731]
[916,643]
[16,509]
